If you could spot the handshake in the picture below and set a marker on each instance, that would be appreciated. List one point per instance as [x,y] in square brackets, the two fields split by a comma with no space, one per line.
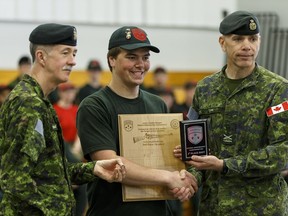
[184,185]
[181,184]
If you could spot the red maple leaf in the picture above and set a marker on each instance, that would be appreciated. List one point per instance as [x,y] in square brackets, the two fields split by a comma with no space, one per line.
[277,108]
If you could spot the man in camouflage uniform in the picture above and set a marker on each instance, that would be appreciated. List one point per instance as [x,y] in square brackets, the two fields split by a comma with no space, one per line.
[35,176]
[247,108]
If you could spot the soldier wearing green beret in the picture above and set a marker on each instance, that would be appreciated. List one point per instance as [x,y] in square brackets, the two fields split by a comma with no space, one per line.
[247,107]
[35,176]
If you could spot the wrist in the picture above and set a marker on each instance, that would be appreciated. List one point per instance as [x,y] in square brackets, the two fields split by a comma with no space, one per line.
[170,179]
[94,168]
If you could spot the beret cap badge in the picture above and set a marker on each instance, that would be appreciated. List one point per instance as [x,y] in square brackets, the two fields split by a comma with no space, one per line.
[252,25]
[74,34]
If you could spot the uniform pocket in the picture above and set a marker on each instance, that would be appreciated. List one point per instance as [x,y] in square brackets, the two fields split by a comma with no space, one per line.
[265,187]
[215,126]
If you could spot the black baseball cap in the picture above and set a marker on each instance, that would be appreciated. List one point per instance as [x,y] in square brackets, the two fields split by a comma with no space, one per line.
[130,38]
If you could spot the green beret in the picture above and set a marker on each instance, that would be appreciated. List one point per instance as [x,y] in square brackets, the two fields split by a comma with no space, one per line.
[52,33]
[130,38]
[240,23]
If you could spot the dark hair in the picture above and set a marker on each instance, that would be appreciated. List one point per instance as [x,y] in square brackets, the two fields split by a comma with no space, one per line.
[160,70]
[33,48]
[190,85]
[114,52]
[24,60]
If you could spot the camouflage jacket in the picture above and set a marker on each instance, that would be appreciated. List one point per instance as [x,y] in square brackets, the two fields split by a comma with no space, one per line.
[253,145]
[35,175]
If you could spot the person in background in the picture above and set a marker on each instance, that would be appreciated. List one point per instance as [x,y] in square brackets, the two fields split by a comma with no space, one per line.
[4,92]
[247,108]
[189,89]
[66,111]
[94,71]
[160,78]
[129,60]
[35,176]
[168,97]
[24,67]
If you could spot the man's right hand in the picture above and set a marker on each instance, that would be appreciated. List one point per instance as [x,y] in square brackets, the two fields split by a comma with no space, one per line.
[183,185]
[112,170]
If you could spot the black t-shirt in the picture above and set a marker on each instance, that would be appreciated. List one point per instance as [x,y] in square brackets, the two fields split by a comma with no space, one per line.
[97,123]
[85,91]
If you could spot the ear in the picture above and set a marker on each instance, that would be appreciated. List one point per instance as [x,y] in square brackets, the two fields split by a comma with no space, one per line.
[40,57]
[112,61]
[222,43]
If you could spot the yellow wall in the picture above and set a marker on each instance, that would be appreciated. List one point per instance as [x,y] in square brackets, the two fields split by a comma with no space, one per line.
[176,78]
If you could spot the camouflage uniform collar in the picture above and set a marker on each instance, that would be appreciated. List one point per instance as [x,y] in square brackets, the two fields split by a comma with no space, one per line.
[252,77]
[28,79]
[251,80]
[248,81]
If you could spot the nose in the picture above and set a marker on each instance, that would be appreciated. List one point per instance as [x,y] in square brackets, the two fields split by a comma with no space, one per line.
[140,62]
[72,60]
[246,44]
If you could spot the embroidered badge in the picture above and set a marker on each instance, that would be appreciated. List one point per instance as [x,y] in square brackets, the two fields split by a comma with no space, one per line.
[277,109]
[227,139]
[139,34]
[252,25]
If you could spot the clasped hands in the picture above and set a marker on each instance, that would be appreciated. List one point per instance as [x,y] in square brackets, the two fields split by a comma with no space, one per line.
[183,185]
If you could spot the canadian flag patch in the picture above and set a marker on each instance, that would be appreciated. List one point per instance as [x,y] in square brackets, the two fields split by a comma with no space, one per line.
[277,109]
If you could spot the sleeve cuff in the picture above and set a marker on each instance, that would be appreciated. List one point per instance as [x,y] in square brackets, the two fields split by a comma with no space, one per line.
[225,168]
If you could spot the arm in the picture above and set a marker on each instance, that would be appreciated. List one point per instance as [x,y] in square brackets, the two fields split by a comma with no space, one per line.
[270,157]
[208,162]
[262,139]
[21,144]
[112,170]
[139,175]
